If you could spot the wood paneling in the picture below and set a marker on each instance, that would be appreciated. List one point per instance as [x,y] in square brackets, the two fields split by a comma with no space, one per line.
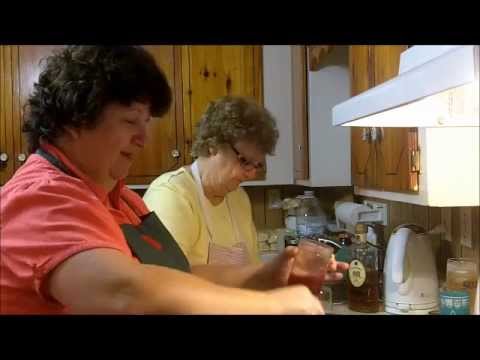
[266,218]
[430,218]
[257,199]
[300,113]
[360,74]
[387,61]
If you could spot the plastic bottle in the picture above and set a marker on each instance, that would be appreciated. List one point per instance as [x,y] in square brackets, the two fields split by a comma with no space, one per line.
[311,220]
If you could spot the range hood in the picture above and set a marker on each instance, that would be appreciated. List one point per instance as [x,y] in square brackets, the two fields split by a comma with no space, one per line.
[437,86]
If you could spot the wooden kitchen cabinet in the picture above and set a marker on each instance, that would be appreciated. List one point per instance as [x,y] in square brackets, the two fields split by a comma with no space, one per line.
[209,72]
[196,74]
[389,161]
[20,67]
[164,149]
[8,57]
[363,150]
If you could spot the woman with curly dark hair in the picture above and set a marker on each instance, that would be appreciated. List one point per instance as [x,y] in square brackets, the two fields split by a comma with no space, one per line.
[75,239]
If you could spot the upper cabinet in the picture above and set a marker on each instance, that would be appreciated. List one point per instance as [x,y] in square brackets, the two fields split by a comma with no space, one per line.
[429,166]
[196,75]
[300,86]
[363,150]
[19,69]
[8,56]
[382,158]
[164,149]
[210,72]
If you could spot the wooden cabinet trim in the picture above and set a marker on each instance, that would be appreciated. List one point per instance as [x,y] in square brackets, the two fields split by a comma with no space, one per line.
[300,112]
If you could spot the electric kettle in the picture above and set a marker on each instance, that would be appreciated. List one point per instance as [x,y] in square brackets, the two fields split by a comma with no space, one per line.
[410,274]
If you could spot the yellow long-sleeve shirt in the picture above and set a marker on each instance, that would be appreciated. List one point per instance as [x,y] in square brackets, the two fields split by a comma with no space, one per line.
[174,198]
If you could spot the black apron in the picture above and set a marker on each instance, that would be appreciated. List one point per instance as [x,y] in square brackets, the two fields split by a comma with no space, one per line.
[149,241]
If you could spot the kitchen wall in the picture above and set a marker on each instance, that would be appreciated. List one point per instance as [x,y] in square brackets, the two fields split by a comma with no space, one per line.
[461,222]
[445,245]
[267,218]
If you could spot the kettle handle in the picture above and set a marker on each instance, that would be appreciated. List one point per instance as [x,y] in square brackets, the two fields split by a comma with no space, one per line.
[399,240]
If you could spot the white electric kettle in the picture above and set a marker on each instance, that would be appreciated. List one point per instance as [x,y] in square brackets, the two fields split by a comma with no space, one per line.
[410,275]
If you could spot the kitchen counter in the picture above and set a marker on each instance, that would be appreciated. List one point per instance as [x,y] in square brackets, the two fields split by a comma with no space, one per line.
[342,309]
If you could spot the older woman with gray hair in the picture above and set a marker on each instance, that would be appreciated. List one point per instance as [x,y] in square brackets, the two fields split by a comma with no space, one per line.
[202,205]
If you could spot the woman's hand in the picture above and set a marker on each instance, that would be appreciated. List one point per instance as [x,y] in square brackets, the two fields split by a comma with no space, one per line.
[295,300]
[335,270]
[278,270]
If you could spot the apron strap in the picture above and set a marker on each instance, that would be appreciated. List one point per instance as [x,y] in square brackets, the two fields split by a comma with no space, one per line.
[202,199]
[54,161]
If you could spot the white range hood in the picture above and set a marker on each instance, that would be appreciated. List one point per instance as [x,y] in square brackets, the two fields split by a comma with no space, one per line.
[436,87]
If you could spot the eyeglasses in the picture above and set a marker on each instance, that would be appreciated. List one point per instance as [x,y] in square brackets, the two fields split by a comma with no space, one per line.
[247,164]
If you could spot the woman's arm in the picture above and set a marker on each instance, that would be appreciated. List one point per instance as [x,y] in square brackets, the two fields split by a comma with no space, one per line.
[106,281]
[267,275]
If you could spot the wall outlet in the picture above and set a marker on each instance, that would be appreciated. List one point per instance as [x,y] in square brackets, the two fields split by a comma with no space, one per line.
[381,207]
[466,227]
[274,199]
[447,223]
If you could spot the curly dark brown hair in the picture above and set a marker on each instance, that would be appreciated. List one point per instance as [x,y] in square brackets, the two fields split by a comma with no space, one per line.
[233,118]
[79,81]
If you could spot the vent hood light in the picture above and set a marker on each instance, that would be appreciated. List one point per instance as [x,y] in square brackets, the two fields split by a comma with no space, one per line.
[436,87]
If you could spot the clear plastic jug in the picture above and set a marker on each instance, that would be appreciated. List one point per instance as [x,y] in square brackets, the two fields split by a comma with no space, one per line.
[311,219]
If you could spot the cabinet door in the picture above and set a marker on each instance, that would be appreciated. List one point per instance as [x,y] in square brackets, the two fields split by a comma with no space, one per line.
[163,151]
[30,64]
[158,155]
[8,76]
[209,72]
[363,150]
[395,147]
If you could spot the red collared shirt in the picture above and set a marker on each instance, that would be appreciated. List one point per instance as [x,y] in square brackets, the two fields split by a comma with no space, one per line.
[47,216]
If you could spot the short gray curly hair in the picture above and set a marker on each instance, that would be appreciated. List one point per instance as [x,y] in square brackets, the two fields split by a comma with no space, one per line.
[234,118]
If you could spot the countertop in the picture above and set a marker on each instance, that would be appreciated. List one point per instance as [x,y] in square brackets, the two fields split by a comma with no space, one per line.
[342,309]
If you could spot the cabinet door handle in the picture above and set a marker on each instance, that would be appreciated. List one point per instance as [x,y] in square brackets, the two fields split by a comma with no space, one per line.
[366,134]
[3,158]
[21,157]
[376,134]
[175,153]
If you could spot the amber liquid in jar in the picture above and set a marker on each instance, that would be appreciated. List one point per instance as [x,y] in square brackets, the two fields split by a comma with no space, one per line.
[364,298]
[362,277]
